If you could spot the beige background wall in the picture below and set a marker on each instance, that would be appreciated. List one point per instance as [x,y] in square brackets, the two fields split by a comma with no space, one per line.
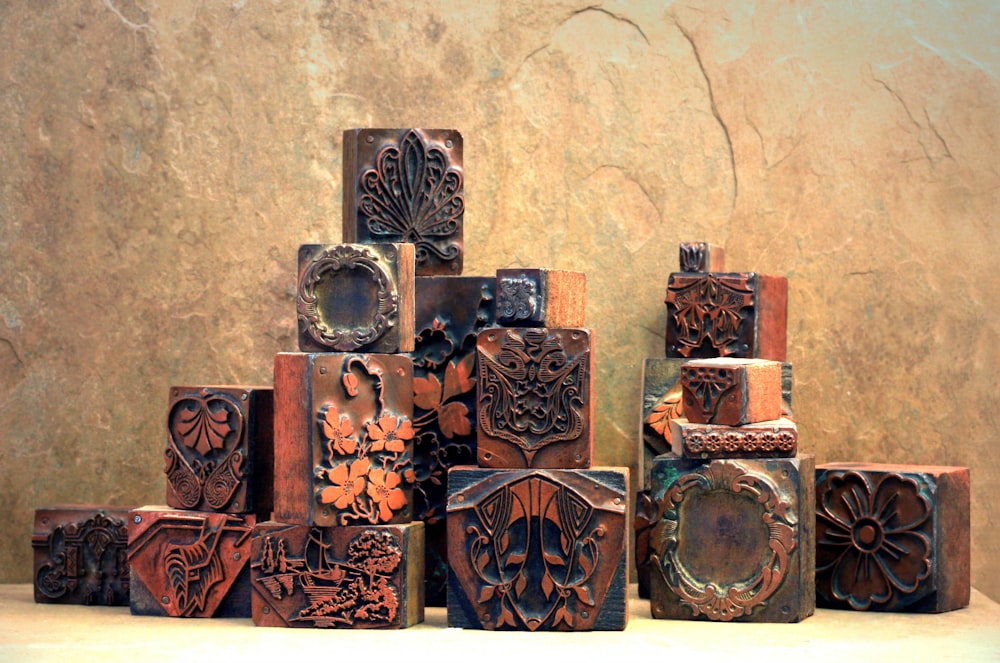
[160,163]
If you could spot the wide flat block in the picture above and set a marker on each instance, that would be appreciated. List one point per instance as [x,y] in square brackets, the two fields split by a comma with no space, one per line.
[534,400]
[355,577]
[731,392]
[355,298]
[538,550]
[189,563]
[451,310]
[343,439]
[80,555]
[727,315]
[892,538]
[734,540]
[220,449]
[533,297]
[702,257]
[407,185]
[767,439]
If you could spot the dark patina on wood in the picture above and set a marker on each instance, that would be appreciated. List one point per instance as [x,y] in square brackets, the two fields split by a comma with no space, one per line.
[532,297]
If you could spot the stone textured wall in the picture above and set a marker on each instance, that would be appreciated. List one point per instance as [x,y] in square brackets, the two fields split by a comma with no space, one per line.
[161,163]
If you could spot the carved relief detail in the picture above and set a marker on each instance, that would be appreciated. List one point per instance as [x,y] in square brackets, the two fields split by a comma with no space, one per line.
[693,257]
[89,558]
[709,307]
[708,384]
[532,394]
[710,441]
[414,195]
[724,602]
[517,300]
[326,266]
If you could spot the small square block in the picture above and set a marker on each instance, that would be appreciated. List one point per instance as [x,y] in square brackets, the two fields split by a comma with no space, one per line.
[407,185]
[355,577]
[220,449]
[537,550]
[702,257]
[355,298]
[767,439]
[726,314]
[451,310]
[541,298]
[731,392]
[892,538]
[189,563]
[535,405]
[343,439]
[80,555]
[734,539]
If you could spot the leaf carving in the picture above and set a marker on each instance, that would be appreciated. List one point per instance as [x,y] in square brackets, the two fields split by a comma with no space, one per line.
[454,420]
[427,392]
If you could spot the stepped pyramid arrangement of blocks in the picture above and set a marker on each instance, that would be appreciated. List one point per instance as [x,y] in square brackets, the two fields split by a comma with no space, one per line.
[725,526]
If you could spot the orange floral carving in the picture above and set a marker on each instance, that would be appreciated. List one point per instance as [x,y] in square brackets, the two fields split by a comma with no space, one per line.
[339,432]
[348,482]
[390,434]
[384,491]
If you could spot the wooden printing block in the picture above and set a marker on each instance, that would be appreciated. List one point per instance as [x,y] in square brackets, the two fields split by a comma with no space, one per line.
[702,257]
[767,439]
[892,537]
[355,298]
[646,517]
[343,439]
[731,392]
[406,185]
[726,314]
[80,555]
[541,298]
[735,539]
[535,405]
[189,563]
[537,550]
[338,577]
[220,449]
[451,310]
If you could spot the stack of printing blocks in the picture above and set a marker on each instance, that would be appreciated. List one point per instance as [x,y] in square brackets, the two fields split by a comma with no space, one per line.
[536,537]
[726,529]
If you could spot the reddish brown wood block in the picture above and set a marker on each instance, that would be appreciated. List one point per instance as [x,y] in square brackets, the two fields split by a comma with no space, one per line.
[406,185]
[731,392]
[535,407]
[892,537]
[343,439]
[541,298]
[189,563]
[451,310]
[722,314]
[767,439]
[537,550]
[338,577]
[646,516]
[702,257]
[355,298]
[735,539]
[220,449]
[80,555]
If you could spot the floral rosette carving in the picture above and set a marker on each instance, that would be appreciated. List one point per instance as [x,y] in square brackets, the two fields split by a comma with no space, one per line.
[873,545]
[729,601]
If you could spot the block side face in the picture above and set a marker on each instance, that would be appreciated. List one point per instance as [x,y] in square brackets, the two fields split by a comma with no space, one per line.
[772,329]
[261,432]
[293,437]
[537,549]
[729,541]
[953,569]
[662,395]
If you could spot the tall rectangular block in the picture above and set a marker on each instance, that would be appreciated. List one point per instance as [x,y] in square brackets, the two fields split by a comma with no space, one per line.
[343,439]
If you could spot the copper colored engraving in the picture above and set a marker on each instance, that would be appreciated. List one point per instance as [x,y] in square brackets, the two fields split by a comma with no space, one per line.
[723,500]
[708,385]
[709,308]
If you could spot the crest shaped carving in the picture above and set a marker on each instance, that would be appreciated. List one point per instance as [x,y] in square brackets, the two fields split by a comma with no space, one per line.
[709,309]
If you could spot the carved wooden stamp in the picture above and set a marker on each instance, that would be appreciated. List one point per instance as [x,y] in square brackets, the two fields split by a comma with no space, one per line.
[722,314]
[731,392]
[80,555]
[406,185]
[702,257]
[219,449]
[661,402]
[343,439]
[892,537]
[338,577]
[541,298]
[537,550]
[451,310]
[355,298]
[189,563]
[767,439]
[735,539]
[535,407]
